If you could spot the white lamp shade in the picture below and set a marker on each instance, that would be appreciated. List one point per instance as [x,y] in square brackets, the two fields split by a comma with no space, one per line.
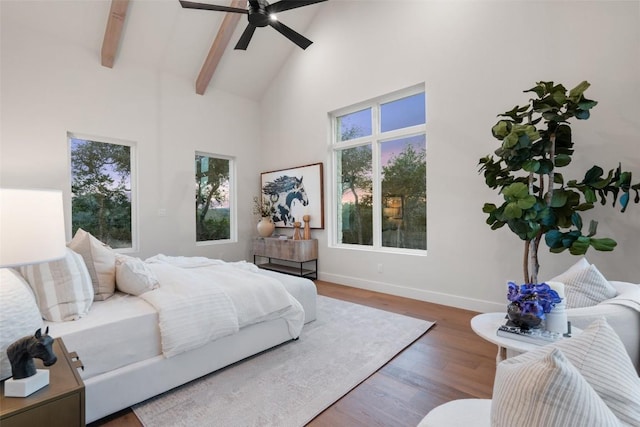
[31,226]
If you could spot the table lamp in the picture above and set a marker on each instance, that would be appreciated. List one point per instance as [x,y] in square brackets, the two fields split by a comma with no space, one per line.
[31,231]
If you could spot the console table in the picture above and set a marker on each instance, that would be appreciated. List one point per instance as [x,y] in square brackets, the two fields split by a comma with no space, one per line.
[295,257]
[61,403]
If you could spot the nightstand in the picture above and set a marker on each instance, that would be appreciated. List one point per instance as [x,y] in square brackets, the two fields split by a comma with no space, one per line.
[61,403]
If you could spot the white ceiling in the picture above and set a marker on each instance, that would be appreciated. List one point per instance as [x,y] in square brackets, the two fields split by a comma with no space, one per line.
[162,35]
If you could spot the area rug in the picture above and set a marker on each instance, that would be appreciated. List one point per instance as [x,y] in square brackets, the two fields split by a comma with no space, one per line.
[292,383]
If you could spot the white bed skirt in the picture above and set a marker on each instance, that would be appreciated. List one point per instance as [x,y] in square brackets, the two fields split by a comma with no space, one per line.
[124,387]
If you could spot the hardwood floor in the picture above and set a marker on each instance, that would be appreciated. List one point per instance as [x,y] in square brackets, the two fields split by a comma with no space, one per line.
[448,362]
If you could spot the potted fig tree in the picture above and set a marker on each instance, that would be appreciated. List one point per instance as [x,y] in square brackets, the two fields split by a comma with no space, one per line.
[535,143]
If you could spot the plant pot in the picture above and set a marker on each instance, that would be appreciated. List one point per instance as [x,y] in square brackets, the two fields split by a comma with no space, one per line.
[266,227]
[522,320]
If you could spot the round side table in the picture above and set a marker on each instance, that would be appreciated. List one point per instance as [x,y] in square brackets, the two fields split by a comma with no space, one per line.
[486,325]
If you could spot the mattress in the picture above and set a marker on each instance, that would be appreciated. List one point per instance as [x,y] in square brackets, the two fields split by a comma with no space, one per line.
[116,332]
[123,329]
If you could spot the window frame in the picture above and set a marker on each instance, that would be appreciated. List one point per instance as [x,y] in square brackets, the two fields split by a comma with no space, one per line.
[133,181]
[375,140]
[233,228]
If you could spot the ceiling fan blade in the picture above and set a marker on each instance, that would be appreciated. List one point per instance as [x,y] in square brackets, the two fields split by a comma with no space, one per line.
[289,4]
[245,38]
[295,37]
[205,6]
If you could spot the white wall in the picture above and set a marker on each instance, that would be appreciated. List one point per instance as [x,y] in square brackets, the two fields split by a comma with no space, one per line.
[50,87]
[476,58]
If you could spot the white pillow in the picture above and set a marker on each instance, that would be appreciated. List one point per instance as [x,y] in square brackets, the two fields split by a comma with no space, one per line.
[100,261]
[134,276]
[600,356]
[545,391]
[62,288]
[19,314]
[585,286]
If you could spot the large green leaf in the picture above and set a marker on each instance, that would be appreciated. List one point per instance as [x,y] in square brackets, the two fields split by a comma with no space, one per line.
[587,104]
[546,166]
[559,199]
[576,93]
[553,239]
[576,220]
[516,190]
[526,202]
[562,160]
[531,166]
[510,140]
[604,244]
[593,175]
[582,114]
[501,129]
[580,246]
[512,211]
[590,195]
[488,208]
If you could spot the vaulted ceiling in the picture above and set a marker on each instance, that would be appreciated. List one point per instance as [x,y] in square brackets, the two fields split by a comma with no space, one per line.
[195,44]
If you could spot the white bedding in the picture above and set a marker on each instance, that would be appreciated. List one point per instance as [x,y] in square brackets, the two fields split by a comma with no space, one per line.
[200,300]
[116,332]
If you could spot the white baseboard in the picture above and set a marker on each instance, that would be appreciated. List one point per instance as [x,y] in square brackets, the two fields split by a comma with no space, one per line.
[417,294]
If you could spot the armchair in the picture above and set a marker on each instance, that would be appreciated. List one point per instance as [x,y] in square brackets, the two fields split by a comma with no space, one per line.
[531,387]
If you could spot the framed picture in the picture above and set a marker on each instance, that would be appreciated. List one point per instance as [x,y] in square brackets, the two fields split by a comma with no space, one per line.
[294,193]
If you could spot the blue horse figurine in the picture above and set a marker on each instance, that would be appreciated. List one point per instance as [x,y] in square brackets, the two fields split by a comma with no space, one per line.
[22,352]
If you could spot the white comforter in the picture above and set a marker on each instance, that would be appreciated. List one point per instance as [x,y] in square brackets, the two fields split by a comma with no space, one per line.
[200,300]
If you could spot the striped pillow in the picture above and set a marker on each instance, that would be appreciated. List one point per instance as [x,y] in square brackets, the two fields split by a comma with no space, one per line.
[62,288]
[585,287]
[546,390]
[600,356]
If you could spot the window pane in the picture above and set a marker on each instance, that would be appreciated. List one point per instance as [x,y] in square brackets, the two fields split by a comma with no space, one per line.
[402,113]
[354,125]
[404,193]
[355,204]
[101,191]
[212,198]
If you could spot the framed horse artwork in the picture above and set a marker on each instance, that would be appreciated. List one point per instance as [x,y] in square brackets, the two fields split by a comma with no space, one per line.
[293,193]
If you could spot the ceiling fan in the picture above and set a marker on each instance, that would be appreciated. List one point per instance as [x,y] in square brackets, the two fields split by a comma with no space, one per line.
[261,14]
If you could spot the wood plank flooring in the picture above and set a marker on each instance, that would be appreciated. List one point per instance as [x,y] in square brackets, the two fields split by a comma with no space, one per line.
[449,362]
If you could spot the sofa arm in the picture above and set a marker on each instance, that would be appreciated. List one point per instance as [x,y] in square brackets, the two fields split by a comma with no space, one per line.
[624,320]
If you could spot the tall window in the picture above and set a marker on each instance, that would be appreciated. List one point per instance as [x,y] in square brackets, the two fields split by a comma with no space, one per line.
[102,201]
[380,163]
[213,197]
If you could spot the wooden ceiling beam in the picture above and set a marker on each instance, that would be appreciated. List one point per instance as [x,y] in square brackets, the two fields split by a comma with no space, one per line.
[113,32]
[229,24]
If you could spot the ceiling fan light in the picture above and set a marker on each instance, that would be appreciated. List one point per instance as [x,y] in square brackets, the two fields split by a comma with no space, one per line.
[273,17]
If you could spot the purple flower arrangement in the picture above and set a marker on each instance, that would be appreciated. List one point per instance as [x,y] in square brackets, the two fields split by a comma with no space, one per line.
[534,299]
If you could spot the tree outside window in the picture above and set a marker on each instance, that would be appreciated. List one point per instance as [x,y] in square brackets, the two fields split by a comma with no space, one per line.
[101,193]
[213,219]
[380,159]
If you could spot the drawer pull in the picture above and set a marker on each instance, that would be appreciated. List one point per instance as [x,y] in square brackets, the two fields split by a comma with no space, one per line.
[77,363]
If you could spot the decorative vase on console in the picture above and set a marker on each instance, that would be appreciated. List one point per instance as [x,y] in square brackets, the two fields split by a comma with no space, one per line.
[266,227]
[264,208]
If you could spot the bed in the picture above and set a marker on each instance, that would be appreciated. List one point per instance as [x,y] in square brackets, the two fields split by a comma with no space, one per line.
[156,332]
